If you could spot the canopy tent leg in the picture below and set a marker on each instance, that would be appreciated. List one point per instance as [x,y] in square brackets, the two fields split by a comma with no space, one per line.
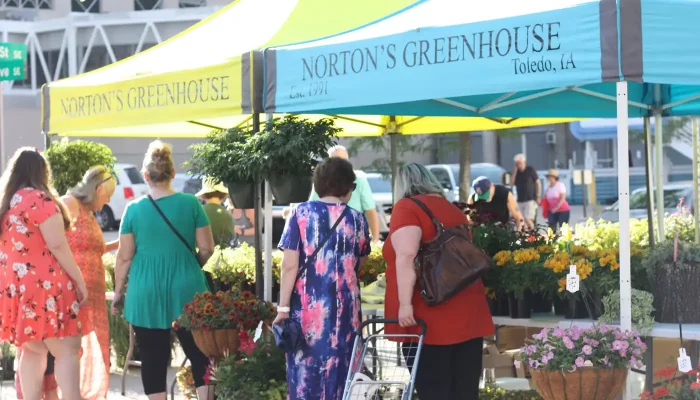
[391,130]
[623,182]
[696,154]
[659,165]
[259,272]
[269,278]
[649,180]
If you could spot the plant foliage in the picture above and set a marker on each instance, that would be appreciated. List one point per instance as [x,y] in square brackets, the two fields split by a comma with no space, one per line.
[642,310]
[288,146]
[70,160]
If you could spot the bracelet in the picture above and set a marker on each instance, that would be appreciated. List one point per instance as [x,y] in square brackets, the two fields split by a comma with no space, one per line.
[283,309]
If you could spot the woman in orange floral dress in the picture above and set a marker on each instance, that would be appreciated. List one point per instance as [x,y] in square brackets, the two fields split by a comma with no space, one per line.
[88,246]
[41,286]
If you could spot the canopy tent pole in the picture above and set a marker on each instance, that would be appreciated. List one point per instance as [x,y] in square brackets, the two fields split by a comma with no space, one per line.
[659,164]
[623,183]
[391,130]
[268,233]
[649,180]
[259,272]
[696,150]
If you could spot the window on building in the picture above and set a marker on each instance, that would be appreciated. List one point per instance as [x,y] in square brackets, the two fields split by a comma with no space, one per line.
[144,5]
[85,6]
[192,3]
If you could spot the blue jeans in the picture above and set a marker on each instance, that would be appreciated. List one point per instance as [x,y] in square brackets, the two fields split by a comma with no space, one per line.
[556,220]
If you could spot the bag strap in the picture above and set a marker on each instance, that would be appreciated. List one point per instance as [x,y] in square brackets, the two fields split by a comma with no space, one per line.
[322,242]
[438,225]
[179,236]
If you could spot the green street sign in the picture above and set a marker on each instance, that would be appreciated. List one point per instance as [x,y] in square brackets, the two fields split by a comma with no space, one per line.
[13,61]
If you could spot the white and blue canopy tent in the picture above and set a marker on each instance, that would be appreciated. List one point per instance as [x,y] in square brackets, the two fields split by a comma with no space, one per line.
[506,59]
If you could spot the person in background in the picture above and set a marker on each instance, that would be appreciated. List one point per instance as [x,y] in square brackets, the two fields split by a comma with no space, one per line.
[555,196]
[164,274]
[41,283]
[361,199]
[87,244]
[450,361]
[222,223]
[529,189]
[245,225]
[495,200]
[325,297]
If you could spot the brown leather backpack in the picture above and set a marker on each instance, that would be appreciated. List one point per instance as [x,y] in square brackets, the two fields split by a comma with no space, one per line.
[449,263]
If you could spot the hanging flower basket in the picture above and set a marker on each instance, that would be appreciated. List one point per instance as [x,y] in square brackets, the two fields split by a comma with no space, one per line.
[216,343]
[582,384]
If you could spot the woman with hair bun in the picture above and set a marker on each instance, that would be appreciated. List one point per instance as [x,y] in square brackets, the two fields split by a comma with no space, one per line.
[163,273]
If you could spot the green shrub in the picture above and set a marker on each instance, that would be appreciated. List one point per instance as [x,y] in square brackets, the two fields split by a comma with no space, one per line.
[70,160]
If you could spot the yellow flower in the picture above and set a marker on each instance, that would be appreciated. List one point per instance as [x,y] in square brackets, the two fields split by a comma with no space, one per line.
[558,263]
[544,249]
[584,268]
[490,294]
[523,256]
[562,285]
[577,250]
[503,257]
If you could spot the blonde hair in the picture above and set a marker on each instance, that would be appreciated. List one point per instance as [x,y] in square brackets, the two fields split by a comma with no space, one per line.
[158,162]
[413,180]
[86,190]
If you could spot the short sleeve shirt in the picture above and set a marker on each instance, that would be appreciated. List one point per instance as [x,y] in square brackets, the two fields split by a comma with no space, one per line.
[526,183]
[361,199]
[553,195]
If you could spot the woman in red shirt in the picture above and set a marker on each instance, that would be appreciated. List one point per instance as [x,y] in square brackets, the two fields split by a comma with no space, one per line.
[450,361]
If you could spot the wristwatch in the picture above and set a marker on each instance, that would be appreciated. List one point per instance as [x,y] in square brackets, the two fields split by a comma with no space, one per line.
[283,309]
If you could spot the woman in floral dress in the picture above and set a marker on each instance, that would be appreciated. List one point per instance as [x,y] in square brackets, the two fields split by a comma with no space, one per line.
[325,299]
[41,286]
[87,242]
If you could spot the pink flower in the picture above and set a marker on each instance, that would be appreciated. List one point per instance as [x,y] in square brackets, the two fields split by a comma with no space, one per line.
[579,362]
[587,350]
[568,343]
[247,345]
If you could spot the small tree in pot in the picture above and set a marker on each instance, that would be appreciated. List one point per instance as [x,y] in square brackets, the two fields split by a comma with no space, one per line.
[224,157]
[287,152]
[70,160]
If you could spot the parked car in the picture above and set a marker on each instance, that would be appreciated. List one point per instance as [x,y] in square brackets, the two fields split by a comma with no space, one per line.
[383,197]
[448,176]
[638,201]
[187,183]
[130,185]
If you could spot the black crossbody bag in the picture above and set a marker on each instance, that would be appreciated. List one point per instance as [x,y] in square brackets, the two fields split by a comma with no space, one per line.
[207,275]
[289,336]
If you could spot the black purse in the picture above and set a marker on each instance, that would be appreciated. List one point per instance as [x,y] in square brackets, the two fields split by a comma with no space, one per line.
[207,275]
[288,335]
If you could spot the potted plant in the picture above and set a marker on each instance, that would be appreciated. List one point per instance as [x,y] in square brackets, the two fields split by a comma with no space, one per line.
[671,276]
[7,362]
[642,310]
[518,279]
[225,157]
[216,320]
[287,152]
[582,364]
[491,392]
[260,373]
[70,160]
[572,305]
[675,385]
[373,267]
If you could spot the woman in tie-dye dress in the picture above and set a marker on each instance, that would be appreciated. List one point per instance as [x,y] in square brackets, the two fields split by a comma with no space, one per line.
[325,299]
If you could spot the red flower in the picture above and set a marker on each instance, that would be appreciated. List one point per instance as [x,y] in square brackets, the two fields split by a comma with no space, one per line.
[247,345]
[661,392]
[692,372]
[208,375]
[695,385]
[646,396]
[666,373]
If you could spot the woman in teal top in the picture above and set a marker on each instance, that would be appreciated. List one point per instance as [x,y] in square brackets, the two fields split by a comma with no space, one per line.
[163,275]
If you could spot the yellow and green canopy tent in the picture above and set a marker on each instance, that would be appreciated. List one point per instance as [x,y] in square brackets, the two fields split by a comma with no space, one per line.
[209,77]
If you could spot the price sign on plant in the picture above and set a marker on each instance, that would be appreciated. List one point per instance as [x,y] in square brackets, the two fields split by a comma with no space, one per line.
[13,61]
[684,364]
[572,280]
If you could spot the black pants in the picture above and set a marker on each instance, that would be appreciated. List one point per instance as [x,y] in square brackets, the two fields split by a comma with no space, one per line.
[447,372]
[154,347]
